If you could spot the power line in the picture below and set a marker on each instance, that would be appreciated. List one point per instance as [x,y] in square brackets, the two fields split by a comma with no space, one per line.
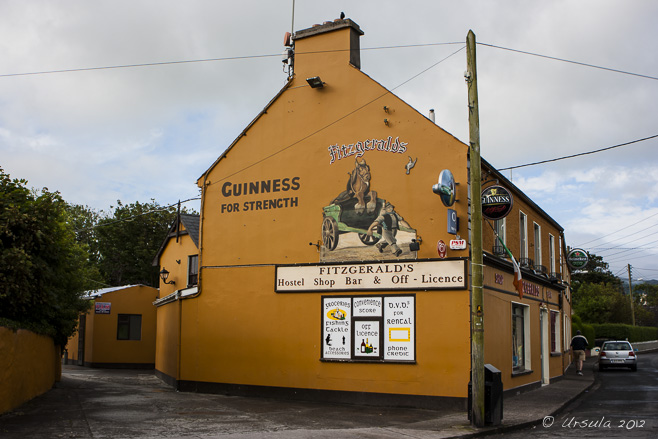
[192,61]
[161,209]
[579,155]
[245,57]
[617,231]
[625,238]
[337,120]
[570,61]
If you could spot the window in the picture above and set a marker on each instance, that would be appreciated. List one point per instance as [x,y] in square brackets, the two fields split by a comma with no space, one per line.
[555,332]
[520,338]
[567,332]
[499,227]
[192,270]
[537,244]
[523,233]
[129,327]
[551,253]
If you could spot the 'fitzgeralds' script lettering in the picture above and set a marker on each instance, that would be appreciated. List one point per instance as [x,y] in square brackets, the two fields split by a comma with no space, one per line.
[337,152]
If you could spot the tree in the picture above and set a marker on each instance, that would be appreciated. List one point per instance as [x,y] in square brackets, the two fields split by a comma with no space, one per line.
[129,240]
[595,272]
[645,300]
[43,269]
[124,242]
[595,303]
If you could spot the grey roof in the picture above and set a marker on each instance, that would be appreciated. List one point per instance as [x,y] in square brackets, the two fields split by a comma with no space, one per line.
[191,224]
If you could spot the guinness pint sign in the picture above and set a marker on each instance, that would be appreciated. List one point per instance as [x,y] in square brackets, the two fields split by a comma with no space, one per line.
[496,202]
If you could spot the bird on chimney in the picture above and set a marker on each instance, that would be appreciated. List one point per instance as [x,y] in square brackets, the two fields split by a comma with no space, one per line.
[342,15]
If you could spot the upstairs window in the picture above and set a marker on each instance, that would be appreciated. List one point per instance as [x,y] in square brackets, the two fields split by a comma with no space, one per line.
[537,229]
[523,233]
[192,270]
[551,253]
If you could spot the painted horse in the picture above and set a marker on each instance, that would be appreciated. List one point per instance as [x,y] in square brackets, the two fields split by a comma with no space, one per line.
[358,186]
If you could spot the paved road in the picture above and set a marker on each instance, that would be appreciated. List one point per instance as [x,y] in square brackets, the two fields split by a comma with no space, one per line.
[622,404]
[96,403]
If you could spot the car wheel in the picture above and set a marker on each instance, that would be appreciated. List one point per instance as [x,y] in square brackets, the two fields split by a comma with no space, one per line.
[601,368]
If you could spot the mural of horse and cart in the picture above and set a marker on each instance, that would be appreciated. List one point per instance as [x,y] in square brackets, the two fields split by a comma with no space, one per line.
[358,210]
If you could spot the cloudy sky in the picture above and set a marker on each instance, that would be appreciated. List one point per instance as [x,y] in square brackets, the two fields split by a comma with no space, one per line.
[103,135]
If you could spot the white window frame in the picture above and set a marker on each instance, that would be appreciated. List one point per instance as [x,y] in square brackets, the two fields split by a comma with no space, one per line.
[551,253]
[527,346]
[537,237]
[567,332]
[189,263]
[500,228]
[558,338]
[523,235]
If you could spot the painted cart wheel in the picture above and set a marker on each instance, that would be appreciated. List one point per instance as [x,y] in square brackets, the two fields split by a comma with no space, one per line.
[329,233]
[369,239]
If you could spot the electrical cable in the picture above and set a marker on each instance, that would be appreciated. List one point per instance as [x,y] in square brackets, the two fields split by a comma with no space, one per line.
[569,61]
[579,154]
[620,230]
[161,209]
[626,237]
[335,121]
[192,61]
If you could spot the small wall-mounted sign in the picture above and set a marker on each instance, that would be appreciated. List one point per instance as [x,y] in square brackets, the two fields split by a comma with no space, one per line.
[496,202]
[453,222]
[577,258]
[103,307]
[457,244]
[441,249]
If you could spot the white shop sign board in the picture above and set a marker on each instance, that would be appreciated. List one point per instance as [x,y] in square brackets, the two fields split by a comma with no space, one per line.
[411,275]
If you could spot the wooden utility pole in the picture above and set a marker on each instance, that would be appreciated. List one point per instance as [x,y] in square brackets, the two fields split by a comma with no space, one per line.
[630,294]
[477,312]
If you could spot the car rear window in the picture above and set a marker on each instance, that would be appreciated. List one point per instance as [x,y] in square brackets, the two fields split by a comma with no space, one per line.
[616,347]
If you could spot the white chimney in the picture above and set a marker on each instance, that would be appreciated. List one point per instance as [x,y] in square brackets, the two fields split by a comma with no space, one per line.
[432,118]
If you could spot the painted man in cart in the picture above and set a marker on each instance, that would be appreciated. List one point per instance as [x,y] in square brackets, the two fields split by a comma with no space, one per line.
[390,222]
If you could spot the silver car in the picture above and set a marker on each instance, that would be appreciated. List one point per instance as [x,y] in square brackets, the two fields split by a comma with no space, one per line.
[617,354]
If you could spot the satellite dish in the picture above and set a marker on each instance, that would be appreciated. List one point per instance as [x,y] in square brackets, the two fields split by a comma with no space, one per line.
[445,188]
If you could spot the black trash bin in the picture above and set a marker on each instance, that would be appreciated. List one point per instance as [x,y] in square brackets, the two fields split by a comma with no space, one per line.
[493,396]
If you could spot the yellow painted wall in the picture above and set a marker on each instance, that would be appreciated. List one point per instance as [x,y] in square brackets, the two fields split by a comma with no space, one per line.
[101,344]
[107,349]
[498,328]
[29,366]
[167,339]
[239,330]
[262,338]
[71,348]
[174,258]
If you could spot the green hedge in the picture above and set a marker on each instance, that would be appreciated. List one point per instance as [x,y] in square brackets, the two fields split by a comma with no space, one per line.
[42,329]
[619,331]
[586,329]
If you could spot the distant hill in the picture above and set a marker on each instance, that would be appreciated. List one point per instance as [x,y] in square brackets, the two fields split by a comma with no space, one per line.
[624,283]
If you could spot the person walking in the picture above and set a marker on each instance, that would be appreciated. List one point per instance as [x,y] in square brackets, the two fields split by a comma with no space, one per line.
[578,345]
